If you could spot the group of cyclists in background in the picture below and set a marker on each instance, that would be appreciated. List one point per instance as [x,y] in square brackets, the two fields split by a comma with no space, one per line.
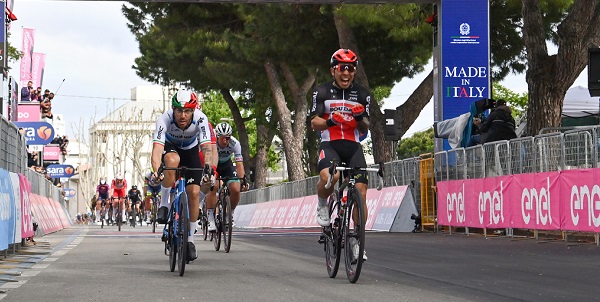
[184,137]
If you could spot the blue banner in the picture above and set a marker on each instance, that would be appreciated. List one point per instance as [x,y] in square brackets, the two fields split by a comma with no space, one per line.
[69,193]
[58,171]
[465,52]
[7,210]
[37,133]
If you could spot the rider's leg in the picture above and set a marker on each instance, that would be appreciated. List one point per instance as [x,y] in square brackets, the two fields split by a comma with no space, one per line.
[234,194]
[171,160]
[193,192]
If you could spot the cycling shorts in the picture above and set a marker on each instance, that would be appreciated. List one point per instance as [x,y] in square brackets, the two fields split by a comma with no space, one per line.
[153,190]
[119,192]
[187,158]
[345,151]
[227,169]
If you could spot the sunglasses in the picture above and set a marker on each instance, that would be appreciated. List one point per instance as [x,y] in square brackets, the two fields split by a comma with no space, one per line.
[226,137]
[186,110]
[343,67]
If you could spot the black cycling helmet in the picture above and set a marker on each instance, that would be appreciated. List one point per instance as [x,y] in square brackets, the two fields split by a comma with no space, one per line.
[134,187]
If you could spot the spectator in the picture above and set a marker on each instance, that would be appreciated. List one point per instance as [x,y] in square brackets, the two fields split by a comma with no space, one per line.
[36,95]
[46,93]
[499,125]
[46,108]
[32,159]
[26,92]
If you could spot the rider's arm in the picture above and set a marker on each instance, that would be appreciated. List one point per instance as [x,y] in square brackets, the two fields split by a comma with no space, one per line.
[159,143]
[157,151]
[317,122]
[207,149]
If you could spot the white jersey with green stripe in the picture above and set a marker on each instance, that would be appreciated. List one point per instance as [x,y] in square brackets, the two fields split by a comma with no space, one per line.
[234,147]
[196,133]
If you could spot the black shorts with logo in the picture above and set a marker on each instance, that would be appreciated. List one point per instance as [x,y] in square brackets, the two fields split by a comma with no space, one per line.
[187,158]
[345,151]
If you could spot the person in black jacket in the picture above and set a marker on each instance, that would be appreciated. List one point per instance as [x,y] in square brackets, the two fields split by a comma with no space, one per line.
[499,125]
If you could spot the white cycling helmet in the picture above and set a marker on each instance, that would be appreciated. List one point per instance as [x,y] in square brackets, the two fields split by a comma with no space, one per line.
[223,129]
[119,176]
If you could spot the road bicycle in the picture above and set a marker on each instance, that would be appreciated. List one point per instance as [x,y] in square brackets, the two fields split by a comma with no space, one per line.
[348,221]
[203,220]
[177,230]
[133,215]
[153,210]
[119,214]
[223,214]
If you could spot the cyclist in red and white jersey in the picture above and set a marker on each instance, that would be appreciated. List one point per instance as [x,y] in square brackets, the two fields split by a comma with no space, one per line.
[119,190]
[340,111]
[180,134]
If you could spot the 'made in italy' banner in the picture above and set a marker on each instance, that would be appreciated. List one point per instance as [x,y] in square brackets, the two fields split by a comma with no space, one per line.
[465,52]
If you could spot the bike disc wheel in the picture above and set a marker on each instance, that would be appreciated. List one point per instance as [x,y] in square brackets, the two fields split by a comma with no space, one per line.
[217,233]
[354,232]
[333,237]
[171,241]
[226,224]
[183,231]
[204,223]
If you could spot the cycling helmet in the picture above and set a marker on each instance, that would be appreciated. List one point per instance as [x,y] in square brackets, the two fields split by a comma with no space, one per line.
[343,56]
[102,181]
[134,187]
[184,99]
[223,129]
[119,176]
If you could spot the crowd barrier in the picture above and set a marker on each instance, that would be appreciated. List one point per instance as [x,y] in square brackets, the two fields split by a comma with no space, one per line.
[19,207]
[390,209]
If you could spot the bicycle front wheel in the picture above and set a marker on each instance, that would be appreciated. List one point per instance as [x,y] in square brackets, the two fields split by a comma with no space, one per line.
[119,216]
[204,222]
[183,231]
[354,235]
[153,213]
[218,218]
[226,223]
[333,238]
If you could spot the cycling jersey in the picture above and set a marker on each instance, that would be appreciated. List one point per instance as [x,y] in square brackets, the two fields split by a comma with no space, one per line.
[328,98]
[102,191]
[234,147]
[119,188]
[134,196]
[196,133]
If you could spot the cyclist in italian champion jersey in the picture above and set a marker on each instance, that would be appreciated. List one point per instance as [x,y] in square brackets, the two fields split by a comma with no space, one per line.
[180,134]
[227,146]
[340,111]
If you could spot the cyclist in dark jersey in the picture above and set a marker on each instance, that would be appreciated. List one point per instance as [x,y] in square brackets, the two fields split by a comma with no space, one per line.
[101,195]
[340,111]
[134,198]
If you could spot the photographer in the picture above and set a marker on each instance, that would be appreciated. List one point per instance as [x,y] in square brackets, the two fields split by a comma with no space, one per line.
[499,125]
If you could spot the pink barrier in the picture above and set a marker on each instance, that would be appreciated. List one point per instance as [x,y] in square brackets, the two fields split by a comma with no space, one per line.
[566,200]
[48,213]
[26,218]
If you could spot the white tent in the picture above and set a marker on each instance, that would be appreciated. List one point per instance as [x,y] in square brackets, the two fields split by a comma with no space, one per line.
[579,103]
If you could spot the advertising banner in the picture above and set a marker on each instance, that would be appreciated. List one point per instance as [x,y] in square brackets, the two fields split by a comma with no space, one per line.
[38,62]
[70,193]
[7,210]
[27,49]
[28,112]
[51,153]
[58,171]
[465,57]
[37,133]
[26,210]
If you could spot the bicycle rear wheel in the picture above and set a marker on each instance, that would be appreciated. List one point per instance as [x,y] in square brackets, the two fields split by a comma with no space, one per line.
[333,238]
[183,231]
[226,223]
[133,216]
[354,235]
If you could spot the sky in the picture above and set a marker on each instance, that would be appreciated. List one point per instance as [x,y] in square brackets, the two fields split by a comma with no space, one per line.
[89,53]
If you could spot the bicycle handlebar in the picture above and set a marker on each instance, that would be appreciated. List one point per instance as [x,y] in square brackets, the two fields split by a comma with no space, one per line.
[334,167]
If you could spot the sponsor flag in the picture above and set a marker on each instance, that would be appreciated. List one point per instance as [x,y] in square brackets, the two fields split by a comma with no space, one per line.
[37,69]
[27,49]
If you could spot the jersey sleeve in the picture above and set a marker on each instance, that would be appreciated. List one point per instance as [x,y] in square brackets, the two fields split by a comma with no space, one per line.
[203,128]
[160,131]
[237,151]
[318,106]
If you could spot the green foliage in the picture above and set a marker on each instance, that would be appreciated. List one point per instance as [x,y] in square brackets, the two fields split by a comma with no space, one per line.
[419,143]
[518,102]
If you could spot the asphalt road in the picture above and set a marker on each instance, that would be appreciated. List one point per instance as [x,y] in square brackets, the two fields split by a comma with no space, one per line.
[86,263]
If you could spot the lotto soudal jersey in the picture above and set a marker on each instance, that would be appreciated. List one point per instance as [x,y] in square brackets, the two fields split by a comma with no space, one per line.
[185,139]
[328,98]
[233,147]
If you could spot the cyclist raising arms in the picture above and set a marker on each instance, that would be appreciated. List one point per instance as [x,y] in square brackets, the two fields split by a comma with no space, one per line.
[179,133]
[118,187]
[226,146]
[340,111]
[101,197]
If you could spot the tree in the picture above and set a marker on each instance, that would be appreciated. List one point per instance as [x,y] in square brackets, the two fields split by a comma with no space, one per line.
[419,143]
[550,76]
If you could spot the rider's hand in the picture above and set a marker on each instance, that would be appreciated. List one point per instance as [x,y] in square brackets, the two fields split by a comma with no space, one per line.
[357,111]
[336,118]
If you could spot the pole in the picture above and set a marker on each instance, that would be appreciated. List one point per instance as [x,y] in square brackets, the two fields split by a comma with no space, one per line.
[56,92]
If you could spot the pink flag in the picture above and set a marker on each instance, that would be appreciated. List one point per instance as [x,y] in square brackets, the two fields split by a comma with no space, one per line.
[27,49]
[37,69]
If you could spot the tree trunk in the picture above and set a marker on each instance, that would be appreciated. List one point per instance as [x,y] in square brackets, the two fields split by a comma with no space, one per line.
[549,77]
[261,159]
[409,111]
[382,151]
[292,149]
[239,125]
